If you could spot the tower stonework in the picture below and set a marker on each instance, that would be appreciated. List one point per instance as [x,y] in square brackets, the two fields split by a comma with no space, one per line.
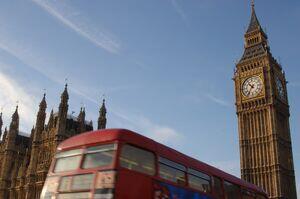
[263,117]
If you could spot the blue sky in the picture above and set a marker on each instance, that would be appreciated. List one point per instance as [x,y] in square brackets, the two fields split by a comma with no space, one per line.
[165,66]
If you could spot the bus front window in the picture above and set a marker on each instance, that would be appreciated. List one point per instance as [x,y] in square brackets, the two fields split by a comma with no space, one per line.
[67,160]
[99,156]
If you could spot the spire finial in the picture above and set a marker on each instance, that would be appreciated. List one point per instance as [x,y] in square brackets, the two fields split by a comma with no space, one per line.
[252,4]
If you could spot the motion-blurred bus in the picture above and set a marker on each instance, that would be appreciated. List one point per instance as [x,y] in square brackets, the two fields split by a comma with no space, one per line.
[121,164]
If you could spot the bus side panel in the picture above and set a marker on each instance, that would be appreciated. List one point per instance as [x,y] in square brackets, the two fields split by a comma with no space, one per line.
[132,185]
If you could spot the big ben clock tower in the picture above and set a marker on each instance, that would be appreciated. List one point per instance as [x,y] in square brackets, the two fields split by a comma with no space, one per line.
[263,117]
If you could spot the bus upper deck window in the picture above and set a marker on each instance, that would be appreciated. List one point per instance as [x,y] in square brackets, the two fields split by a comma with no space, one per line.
[232,191]
[67,160]
[137,159]
[199,180]
[172,171]
[99,156]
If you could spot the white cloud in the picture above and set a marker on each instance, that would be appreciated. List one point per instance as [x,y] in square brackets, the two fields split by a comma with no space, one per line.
[72,19]
[217,100]
[294,84]
[10,93]
[143,125]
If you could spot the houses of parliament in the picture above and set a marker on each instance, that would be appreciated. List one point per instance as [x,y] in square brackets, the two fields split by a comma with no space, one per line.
[25,160]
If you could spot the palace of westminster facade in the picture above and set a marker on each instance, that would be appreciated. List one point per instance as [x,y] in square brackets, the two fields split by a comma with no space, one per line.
[25,161]
[263,124]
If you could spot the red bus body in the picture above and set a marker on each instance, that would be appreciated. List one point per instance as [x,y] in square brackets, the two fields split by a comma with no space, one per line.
[131,184]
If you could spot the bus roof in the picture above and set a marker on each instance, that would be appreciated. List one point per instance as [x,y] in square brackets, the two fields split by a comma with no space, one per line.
[131,137]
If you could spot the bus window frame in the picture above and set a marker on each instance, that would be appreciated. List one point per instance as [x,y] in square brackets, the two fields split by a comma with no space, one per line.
[228,181]
[185,185]
[118,163]
[83,152]
[222,187]
[210,192]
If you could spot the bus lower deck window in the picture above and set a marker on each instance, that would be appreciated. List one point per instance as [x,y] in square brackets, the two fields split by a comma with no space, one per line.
[137,159]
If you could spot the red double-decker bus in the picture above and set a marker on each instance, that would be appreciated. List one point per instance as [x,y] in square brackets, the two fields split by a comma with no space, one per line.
[121,164]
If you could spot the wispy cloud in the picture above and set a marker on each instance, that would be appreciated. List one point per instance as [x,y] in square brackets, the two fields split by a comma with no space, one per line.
[71,19]
[138,122]
[294,84]
[232,167]
[217,100]
[179,10]
[11,92]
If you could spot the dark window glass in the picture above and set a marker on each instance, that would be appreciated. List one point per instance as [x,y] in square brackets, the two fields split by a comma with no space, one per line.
[172,164]
[217,186]
[199,174]
[99,159]
[172,171]
[67,163]
[171,174]
[99,156]
[137,159]
[199,180]
[248,195]
[232,191]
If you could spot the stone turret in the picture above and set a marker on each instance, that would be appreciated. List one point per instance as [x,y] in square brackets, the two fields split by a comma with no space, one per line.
[62,116]
[7,169]
[37,132]
[13,130]
[1,124]
[102,116]
[81,120]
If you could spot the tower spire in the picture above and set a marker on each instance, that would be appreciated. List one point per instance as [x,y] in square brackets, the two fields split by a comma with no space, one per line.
[102,116]
[254,23]
[15,120]
[40,120]
[1,124]
[62,114]
[81,120]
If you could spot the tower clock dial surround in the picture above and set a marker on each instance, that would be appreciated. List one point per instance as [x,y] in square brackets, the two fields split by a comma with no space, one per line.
[252,86]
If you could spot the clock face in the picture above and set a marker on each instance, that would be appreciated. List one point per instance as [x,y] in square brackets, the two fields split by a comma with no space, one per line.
[252,86]
[280,88]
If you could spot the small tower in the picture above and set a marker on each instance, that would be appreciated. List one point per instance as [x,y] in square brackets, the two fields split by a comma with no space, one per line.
[9,155]
[51,121]
[81,120]
[4,134]
[1,124]
[37,131]
[102,116]
[13,129]
[62,115]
